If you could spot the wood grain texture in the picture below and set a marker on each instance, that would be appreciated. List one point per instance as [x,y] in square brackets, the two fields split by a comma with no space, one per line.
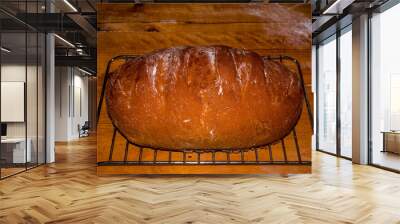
[267,29]
[69,191]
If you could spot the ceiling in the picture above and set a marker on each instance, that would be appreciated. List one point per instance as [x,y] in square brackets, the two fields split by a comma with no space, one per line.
[75,21]
[335,15]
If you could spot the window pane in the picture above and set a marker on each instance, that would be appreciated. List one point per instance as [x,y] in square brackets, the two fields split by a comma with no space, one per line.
[327,96]
[346,94]
[385,95]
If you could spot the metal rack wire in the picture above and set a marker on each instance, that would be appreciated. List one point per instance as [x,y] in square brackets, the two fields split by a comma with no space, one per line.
[262,155]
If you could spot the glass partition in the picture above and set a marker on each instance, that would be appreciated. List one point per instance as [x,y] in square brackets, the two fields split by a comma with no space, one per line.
[41,97]
[15,152]
[22,88]
[31,98]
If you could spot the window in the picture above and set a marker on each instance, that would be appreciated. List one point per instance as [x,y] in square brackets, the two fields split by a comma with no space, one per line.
[385,89]
[334,109]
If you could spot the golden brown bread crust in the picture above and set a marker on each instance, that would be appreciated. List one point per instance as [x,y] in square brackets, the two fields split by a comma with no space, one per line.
[212,97]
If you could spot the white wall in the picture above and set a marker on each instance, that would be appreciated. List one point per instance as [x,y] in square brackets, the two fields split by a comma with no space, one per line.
[80,109]
[71,102]
[62,81]
[9,73]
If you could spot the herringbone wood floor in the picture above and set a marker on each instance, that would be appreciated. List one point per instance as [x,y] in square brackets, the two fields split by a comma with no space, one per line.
[70,192]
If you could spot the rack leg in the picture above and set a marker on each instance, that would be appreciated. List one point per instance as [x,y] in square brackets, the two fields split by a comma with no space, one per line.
[213,157]
[140,155]
[284,149]
[103,89]
[256,154]
[155,156]
[112,145]
[309,110]
[270,153]
[126,151]
[297,145]
[198,158]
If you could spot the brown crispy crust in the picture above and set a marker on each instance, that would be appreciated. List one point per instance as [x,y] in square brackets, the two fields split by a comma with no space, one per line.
[211,97]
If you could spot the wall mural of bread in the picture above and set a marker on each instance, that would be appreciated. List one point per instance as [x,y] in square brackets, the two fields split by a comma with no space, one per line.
[203,103]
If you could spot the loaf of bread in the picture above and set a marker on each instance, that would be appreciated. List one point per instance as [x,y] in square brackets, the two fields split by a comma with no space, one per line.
[206,97]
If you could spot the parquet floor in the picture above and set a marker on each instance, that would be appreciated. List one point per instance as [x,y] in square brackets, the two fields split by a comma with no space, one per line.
[70,192]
